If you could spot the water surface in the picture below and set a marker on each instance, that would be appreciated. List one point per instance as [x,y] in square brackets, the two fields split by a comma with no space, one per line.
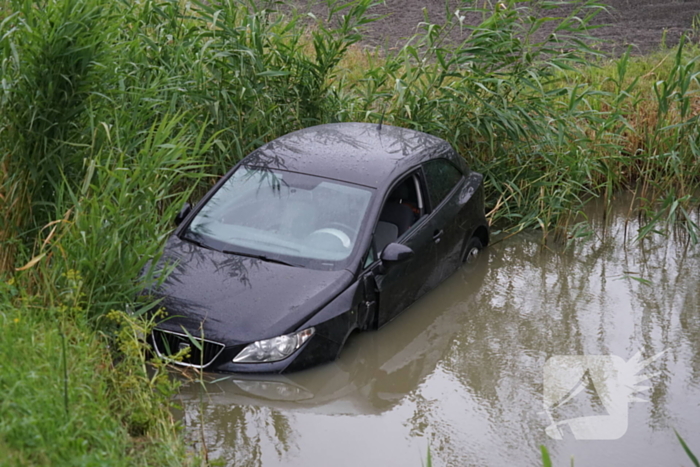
[462,370]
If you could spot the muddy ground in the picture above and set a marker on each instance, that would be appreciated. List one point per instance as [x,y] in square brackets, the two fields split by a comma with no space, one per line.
[639,23]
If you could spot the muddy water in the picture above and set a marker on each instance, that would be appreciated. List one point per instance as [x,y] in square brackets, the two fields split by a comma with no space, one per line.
[463,370]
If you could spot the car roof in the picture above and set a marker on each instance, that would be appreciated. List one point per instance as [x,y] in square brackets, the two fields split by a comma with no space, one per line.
[362,153]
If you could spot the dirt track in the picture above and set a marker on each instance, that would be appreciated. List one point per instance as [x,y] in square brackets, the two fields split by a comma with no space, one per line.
[640,23]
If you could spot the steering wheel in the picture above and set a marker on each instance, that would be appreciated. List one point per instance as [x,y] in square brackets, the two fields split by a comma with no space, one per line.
[339,234]
[349,231]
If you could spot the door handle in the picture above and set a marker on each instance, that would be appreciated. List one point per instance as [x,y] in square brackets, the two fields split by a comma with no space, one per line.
[437,235]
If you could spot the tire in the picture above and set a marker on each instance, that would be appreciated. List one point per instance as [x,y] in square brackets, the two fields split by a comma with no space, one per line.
[471,253]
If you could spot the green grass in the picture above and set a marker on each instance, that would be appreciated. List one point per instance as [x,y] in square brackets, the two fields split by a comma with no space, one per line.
[687,450]
[64,401]
[113,113]
[547,461]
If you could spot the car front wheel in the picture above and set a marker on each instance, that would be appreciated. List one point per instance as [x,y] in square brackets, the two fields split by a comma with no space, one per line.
[471,253]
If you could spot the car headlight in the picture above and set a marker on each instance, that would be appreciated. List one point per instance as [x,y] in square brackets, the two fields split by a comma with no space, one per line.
[272,350]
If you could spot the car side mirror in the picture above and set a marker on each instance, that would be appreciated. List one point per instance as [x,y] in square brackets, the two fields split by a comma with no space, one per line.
[392,254]
[186,208]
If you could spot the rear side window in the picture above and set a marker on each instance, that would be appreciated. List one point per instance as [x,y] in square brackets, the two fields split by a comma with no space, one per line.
[441,177]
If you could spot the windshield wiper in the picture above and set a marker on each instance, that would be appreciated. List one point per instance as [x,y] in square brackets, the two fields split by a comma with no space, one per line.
[196,242]
[262,257]
[231,252]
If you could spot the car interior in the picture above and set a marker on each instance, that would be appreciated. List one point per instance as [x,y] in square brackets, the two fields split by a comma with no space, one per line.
[403,207]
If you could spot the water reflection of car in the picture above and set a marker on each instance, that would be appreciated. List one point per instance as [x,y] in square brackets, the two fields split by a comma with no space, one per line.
[319,233]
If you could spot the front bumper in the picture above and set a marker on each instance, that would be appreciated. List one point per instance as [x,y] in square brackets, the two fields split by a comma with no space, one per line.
[323,347]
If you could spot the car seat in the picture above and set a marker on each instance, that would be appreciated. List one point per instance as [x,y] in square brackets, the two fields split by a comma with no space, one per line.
[394,220]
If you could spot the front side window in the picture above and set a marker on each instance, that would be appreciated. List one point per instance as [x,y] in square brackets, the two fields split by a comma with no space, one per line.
[283,214]
[402,209]
[441,177]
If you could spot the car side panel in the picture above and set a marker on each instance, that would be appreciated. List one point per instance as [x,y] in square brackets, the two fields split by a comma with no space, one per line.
[460,214]
[452,227]
[472,215]
[403,283]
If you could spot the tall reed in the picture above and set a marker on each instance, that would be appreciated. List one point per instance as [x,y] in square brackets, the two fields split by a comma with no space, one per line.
[54,58]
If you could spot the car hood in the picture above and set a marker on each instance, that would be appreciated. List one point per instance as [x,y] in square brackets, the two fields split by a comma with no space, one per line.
[237,299]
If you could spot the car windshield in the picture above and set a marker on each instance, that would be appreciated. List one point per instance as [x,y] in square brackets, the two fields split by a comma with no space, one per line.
[274,213]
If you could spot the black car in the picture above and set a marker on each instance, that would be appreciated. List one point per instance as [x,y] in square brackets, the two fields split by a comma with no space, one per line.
[319,233]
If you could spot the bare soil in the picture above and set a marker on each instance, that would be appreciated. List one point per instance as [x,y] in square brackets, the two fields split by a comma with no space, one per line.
[639,23]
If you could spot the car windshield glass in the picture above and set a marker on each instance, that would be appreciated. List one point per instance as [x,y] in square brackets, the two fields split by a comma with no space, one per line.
[273,213]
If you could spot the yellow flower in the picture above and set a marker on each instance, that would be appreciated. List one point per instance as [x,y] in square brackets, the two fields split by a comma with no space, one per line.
[16,320]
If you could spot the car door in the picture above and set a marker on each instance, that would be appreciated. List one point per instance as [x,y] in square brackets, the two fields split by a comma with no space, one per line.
[444,183]
[401,284]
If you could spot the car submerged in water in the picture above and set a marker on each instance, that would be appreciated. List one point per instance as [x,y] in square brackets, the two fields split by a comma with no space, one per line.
[319,233]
